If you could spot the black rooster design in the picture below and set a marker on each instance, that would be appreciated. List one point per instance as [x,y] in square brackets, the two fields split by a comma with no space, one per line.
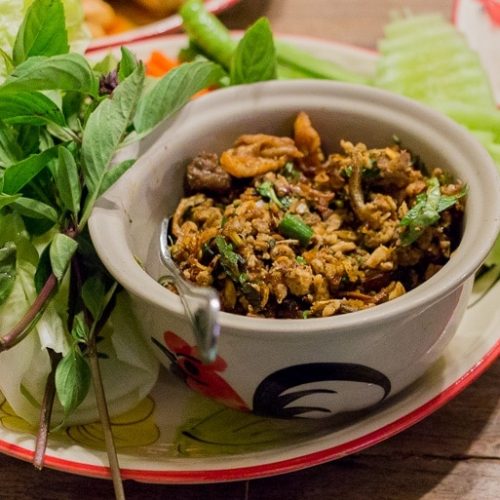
[273,397]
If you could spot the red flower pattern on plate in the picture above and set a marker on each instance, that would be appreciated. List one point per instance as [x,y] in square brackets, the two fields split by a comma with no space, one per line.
[492,8]
[203,378]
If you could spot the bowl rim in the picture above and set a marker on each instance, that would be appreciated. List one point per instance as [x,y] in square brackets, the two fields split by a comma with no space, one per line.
[463,263]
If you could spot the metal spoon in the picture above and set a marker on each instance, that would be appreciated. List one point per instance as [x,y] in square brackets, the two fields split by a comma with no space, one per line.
[201,304]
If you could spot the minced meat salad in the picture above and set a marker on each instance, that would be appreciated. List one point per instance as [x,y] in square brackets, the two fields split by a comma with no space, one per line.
[283,231]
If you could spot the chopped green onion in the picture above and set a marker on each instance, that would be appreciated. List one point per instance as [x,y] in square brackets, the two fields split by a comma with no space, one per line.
[294,227]
[311,66]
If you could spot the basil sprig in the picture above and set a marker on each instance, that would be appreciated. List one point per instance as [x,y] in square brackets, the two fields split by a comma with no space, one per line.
[61,123]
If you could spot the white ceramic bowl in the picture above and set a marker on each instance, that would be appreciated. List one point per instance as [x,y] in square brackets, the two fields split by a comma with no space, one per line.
[314,367]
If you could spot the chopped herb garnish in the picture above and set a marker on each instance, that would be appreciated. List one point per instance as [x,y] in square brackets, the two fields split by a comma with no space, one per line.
[294,227]
[286,201]
[300,260]
[371,172]
[229,258]
[252,293]
[290,172]
[266,190]
[426,211]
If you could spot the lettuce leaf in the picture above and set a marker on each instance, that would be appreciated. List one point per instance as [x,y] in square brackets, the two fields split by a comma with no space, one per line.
[12,14]
[25,367]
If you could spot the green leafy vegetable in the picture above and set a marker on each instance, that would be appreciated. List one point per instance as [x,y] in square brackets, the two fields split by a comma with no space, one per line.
[42,32]
[266,189]
[8,254]
[29,107]
[93,293]
[58,139]
[206,32]
[62,72]
[173,91]
[35,209]
[297,63]
[106,128]
[20,174]
[255,57]
[72,380]
[230,260]
[294,227]
[128,64]
[67,181]
[300,260]
[6,199]
[62,250]
[113,174]
[80,331]
[426,211]
[10,151]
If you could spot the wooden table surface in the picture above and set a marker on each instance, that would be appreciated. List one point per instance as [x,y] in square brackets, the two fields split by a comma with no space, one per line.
[452,454]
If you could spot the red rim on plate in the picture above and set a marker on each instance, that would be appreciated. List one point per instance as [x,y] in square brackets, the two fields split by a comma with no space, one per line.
[278,467]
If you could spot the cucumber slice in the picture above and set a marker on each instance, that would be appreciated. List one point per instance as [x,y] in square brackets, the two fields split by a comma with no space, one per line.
[426,58]
[399,27]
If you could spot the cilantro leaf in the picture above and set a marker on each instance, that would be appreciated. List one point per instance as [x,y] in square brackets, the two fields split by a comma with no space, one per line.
[426,211]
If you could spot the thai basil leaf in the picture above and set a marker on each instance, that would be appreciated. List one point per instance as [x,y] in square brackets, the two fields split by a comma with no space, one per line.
[80,331]
[127,65]
[10,152]
[105,65]
[173,91]
[8,199]
[35,209]
[93,294]
[72,380]
[255,57]
[112,175]
[28,138]
[68,181]
[62,250]
[71,107]
[42,32]
[19,174]
[43,269]
[29,107]
[62,72]
[106,128]
[7,61]
[8,257]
